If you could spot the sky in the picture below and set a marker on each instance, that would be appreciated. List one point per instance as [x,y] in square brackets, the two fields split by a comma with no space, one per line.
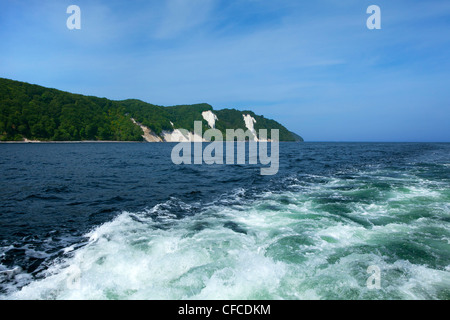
[313,66]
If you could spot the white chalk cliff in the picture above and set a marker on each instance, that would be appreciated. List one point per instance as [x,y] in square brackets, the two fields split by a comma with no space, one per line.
[168,136]
[249,123]
[210,118]
[177,136]
[181,135]
[148,135]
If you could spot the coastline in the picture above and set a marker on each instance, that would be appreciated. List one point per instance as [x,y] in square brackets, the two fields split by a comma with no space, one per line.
[106,141]
[85,141]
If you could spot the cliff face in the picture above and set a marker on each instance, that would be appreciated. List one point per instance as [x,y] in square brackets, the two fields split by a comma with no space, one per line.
[177,135]
[38,113]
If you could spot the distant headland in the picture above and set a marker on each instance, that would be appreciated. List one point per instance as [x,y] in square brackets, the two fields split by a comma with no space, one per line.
[31,113]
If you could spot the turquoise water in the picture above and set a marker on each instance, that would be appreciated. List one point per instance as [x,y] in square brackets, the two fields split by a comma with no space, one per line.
[302,235]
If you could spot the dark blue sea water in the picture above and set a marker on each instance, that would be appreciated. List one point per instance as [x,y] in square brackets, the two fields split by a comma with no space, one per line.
[120,221]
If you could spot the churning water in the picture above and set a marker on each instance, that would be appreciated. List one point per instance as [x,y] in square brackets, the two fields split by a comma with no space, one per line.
[120,221]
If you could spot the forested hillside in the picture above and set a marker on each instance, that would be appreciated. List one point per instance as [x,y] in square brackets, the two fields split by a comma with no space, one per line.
[38,113]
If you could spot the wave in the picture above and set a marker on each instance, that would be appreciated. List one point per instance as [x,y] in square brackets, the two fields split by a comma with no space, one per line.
[313,239]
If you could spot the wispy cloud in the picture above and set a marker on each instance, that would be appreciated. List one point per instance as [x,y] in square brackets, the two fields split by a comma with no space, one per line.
[179,16]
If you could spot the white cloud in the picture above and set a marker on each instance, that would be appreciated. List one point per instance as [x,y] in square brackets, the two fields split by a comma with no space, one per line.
[182,15]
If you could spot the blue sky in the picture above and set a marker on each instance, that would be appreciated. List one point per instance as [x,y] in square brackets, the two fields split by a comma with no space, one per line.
[311,65]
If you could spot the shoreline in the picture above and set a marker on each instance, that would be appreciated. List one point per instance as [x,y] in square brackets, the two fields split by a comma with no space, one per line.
[95,141]
[86,141]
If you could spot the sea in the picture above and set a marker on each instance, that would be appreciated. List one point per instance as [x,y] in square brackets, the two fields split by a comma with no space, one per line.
[120,221]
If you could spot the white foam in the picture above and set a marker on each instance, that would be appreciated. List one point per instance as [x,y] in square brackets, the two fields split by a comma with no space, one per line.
[243,251]
[417,191]
[127,259]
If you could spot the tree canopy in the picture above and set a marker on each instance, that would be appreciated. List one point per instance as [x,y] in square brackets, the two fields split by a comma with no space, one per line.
[35,112]
[38,113]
